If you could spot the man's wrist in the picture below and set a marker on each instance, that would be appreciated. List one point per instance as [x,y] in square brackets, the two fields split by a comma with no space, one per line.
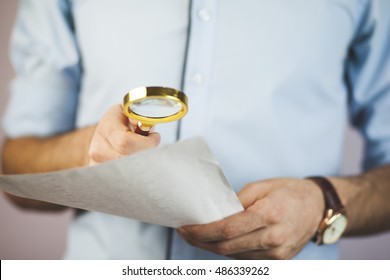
[334,221]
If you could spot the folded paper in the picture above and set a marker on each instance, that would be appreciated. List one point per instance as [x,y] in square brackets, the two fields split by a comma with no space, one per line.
[173,185]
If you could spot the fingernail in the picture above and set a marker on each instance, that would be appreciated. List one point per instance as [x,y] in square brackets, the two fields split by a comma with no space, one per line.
[158,139]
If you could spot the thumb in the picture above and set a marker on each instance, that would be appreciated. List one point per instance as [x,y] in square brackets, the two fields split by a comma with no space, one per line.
[251,193]
[155,137]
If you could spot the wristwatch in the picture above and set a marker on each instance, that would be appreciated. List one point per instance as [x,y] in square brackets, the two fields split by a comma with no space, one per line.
[334,222]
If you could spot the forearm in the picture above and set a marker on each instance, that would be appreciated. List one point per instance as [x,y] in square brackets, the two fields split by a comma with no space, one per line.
[33,155]
[367,200]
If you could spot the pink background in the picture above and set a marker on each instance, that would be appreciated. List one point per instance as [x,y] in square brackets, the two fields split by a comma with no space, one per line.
[28,235]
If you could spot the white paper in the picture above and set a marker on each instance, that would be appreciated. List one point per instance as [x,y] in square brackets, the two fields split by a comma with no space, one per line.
[173,185]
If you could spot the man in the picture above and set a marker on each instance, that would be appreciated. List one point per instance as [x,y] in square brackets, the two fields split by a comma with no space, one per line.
[270,86]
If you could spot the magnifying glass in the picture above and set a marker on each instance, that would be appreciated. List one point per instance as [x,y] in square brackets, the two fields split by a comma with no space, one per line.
[152,105]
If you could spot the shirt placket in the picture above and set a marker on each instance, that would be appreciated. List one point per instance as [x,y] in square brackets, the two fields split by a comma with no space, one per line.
[196,85]
[198,65]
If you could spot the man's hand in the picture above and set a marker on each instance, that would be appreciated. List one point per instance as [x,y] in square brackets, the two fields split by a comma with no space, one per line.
[280,217]
[114,137]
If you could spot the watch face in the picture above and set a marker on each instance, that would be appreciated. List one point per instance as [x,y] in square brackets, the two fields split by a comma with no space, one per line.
[337,225]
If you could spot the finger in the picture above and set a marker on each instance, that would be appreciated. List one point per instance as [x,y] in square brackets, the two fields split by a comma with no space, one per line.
[272,254]
[117,128]
[252,255]
[236,225]
[114,120]
[133,124]
[250,193]
[101,150]
[261,239]
[128,142]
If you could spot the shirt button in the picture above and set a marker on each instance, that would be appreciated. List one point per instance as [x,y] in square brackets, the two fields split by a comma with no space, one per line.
[197,79]
[204,15]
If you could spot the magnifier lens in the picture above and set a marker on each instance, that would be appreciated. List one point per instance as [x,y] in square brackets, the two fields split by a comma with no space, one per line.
[152,105]
[155,107]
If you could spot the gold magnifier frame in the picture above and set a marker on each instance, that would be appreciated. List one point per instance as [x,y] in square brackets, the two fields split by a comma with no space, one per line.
[173,100]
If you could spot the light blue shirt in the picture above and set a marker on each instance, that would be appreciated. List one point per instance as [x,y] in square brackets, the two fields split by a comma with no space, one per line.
[271,86]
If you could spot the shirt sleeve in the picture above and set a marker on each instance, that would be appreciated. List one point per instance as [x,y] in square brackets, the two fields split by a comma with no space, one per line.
[44,53]
[368,78]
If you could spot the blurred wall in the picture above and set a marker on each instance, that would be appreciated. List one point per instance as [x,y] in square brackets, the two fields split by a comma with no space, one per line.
[24,235]
[27,235]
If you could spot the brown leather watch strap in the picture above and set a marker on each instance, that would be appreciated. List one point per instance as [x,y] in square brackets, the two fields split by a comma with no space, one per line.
[332,200]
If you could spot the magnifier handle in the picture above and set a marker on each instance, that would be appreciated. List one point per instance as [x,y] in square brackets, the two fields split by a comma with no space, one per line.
[138,130]
[143,129]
